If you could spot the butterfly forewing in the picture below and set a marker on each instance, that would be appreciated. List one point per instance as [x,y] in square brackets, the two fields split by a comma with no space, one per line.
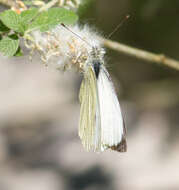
[88,99]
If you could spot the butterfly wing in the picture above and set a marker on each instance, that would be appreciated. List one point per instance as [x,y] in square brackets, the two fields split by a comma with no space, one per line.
[112,125]
[101,122]
[89,129]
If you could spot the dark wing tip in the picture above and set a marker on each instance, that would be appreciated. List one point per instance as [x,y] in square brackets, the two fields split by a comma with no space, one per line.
[121,147]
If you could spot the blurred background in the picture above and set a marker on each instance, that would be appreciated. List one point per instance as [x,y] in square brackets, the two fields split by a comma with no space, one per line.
[39,110]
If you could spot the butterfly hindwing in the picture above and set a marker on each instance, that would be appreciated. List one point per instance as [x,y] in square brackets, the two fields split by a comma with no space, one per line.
[112,126]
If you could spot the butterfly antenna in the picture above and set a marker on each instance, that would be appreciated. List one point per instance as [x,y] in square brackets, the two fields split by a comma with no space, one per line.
[75,34]
[119,25]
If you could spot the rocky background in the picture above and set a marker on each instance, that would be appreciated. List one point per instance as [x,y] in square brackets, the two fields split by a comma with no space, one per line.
[39,111]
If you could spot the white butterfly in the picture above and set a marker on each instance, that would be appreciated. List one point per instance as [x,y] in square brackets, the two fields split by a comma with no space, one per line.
[101,123]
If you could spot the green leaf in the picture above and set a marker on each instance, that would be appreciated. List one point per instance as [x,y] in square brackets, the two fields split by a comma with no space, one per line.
[48,19]
[9,46]
[61,15]
[39,22]
[28,15]
[3,28]
[19,52]
[12,20]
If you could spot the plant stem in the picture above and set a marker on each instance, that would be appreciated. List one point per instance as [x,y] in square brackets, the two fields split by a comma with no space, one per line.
[141,54]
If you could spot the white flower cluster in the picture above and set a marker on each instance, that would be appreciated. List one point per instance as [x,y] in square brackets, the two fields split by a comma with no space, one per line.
[64,48]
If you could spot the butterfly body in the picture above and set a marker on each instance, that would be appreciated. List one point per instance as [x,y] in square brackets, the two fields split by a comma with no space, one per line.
[96,66]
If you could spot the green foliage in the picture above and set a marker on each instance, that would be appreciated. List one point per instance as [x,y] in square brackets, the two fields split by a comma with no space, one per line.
[28,15]
[12,20]
[13,25]
[9,46]
[18,52]
[48,19]
[3,28]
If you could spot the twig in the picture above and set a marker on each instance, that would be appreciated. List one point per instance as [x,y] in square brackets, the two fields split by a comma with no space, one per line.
[48,5]
[141,54]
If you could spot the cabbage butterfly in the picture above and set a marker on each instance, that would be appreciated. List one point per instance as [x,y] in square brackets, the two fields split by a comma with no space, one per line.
[101,123]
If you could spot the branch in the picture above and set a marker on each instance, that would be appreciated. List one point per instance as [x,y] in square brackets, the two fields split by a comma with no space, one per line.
[141,54]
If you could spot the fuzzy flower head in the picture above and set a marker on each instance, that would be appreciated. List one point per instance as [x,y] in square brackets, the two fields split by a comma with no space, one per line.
[64,49]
